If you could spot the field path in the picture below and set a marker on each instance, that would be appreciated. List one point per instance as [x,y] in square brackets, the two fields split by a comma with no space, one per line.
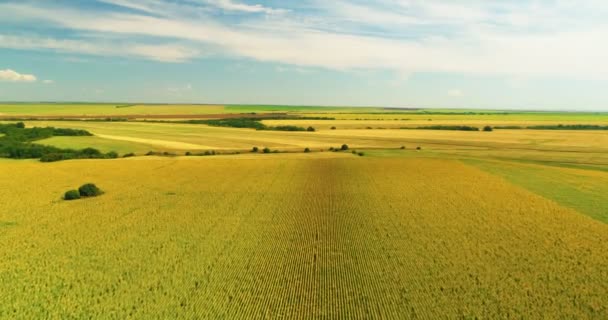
[156,142]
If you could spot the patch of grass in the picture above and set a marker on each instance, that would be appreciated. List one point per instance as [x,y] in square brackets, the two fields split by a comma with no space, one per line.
[582,190]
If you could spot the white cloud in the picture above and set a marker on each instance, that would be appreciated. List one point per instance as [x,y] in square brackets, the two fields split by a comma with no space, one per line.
[230,5]
[483,37]
[48,81]
[455,93]
[13,76]
[101,47]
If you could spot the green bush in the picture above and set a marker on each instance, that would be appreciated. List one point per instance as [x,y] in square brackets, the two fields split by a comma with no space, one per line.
[307,150]
[128,155]
[333,128]
[71,195]
[255,149]
[344,147]
[310,129]
[361,154]
[266,150]
[89,190]
[112,155]
[488,129]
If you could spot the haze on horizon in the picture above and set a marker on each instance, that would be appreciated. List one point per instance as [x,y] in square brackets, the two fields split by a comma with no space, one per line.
[540,55]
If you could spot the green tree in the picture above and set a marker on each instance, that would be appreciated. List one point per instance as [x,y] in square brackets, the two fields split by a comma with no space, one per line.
[89,190]
[71,195]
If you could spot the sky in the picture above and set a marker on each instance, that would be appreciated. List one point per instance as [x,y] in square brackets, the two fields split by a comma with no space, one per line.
[492,54]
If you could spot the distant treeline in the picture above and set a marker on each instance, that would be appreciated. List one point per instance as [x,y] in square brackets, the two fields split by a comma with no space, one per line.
[569,127]
[246,123]
[454,128]
[557,127]
[464,113]
[18,143]
[232,123]
[42,118]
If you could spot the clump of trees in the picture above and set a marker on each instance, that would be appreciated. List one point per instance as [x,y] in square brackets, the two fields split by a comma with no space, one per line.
[306,150]
[18,142]
[255,149]
[87,190]
[285,128]
[455,128]
[488,129]
[248,123]
[344,147]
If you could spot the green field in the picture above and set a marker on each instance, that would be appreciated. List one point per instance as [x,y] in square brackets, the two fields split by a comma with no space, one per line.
[430,224]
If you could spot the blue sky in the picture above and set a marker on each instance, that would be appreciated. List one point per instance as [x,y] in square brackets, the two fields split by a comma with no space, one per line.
[544,54]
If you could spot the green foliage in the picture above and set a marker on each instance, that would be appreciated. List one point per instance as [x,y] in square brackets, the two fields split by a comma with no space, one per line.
[333,128]
[128,155]
[306,150]
[344,147]
[488,129]
[71,195]
[233,123]
[266,150]
[255,149]
[310,129]
[17,143]
[569,127]
[285,128]
[454,128]
[89,190]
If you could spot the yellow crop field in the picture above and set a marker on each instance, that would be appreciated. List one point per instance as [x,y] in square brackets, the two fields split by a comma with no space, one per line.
[292,237]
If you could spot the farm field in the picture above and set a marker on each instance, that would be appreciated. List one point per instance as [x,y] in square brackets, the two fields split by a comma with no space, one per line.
[421,224]
[292,237]
[582,147]
[415,122]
